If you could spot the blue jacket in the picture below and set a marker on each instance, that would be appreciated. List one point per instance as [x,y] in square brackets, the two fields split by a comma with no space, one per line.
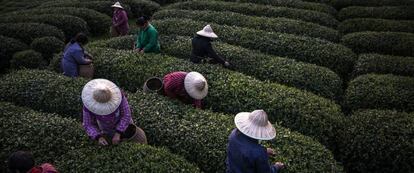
[72,58]
[246,155]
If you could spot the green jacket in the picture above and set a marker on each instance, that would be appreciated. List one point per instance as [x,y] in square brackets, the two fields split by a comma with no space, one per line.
[147,39]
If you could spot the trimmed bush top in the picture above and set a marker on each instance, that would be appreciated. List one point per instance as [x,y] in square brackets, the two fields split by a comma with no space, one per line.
[27,32]
[47,46]
[312,50]
[384,64]
[378,141]
[380,92]
[259,10]
[27,59]
[386,12]
[338,4]
[8,46]
[282,25]
[201,136]
[366,24]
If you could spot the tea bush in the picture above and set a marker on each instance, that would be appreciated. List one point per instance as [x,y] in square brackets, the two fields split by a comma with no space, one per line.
[366,24]
[198,135]
[392,43]
[320,52]
[128,157]
[46,135]
[141,7]
[70,25]
[27,59]
[319,80]
[8,46]
[380,92]
[259,10]
[386,12]
[338,4]
[378,141]
[47,46]
[98,23]
[27,32]
[384,64]
[282,25]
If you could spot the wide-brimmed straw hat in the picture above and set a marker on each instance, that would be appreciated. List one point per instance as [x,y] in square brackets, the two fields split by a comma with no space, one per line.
[196,85]
[117,5]
[255,125]
[101,96]
[207,32]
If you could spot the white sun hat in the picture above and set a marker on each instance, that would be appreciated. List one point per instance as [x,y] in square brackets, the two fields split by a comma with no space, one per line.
[101,96]
[196,85]
[255,125]
[207,32]
[117,5]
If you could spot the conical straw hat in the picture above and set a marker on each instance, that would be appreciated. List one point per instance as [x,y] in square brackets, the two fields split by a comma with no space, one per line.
[255,125]
[101,96]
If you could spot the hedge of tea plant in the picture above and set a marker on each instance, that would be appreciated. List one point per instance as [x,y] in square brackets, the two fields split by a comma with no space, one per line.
[27,59]
[63,142]
[9,46]
[126,157]
[98,23]
[70,25]
[339,4]
[282,25]
[46,135]
[386,12]
[47,46]
[292,106]
[198,135]
[380,92]
[141,7]
[100,6]
[27,32]
[319,80]
[378,141]
[384,64]
[367,24]
[259,10]
[320,52]
[392,43]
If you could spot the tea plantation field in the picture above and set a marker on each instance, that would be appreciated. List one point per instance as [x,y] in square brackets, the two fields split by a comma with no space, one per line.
[336,78]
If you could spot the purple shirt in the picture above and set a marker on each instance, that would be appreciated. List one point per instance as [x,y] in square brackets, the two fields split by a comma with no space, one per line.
[120,21]
[118,121]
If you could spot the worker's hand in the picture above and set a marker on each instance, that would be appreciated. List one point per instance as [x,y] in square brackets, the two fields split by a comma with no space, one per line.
[280,165]
[116,139]
[102,141]
[270,151]
[141,51]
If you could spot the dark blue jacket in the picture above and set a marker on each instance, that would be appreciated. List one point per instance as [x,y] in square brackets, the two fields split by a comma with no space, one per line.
[72,58]
[246,155]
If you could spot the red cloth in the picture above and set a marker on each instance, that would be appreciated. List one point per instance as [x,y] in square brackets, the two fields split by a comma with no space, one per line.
[44,168]
[174,88]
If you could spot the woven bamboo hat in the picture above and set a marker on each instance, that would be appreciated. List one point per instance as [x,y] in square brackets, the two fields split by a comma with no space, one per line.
[255,125]
[101,96]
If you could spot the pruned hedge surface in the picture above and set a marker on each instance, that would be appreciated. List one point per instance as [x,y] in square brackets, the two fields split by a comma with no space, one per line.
[316,79]
[379,25]
[386,12]
[141,7]
[70,25]
[339,4]
[63,141]
[100,6]
[8,46]
[384,64]
[47,46]
[290,105]
[27,32]
[27,59]
[380,92]
[259,10]
[391,43]
[98,23]
[320,52]
[47,136]
[282,25]
[200,136]
[294,4]
[379,141]
[128,157]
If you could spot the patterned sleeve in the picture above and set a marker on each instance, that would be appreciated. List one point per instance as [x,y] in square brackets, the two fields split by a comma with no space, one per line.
[125,113]
[90,124]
